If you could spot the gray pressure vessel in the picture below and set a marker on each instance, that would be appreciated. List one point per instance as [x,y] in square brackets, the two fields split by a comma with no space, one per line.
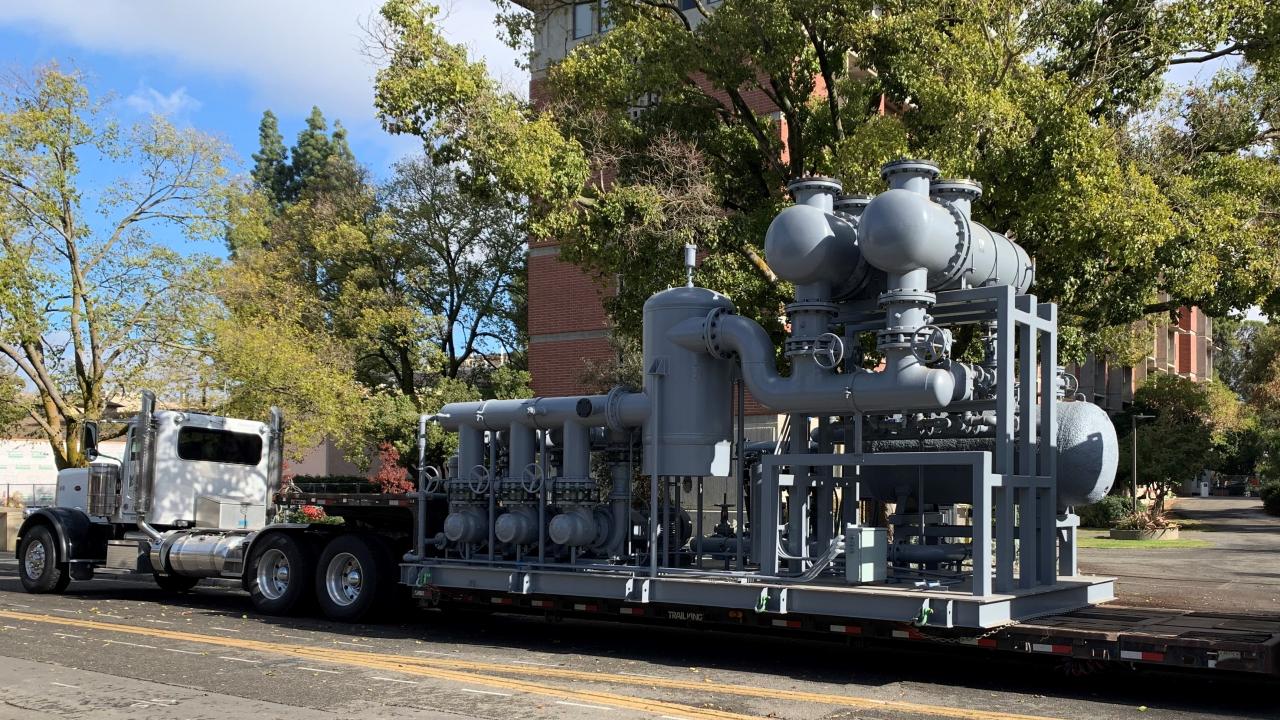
[901,231]
[1088,454]
[809,243]
[689,402]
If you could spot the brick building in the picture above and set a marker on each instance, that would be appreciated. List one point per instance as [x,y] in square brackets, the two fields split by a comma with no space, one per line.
[1183,348]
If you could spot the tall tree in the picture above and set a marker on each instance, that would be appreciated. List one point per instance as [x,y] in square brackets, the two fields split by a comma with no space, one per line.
[1054,105]
[467,252]
[90,295]
[271,161]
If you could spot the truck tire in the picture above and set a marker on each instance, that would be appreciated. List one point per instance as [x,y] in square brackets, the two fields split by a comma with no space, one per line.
[175,583]
[355,577]
[38,563]
[280,574]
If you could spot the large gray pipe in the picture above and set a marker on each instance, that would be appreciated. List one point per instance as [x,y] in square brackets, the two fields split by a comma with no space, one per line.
[625,408]
[904,384]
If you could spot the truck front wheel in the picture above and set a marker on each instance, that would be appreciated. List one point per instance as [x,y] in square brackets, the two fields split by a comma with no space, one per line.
[280,574]
[38,563]
[355,576]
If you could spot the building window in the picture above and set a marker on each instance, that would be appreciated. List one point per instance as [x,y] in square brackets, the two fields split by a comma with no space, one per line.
[219,446]
[584,20]
[606,22]
[590,18]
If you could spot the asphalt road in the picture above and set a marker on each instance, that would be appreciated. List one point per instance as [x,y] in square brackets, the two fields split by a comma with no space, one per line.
[1238,572]
[113,649]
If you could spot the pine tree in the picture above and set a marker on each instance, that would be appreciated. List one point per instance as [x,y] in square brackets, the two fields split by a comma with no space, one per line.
[271,169]
[311,152]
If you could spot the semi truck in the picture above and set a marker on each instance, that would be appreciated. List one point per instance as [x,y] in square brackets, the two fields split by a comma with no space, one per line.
[194,496]
[579,505]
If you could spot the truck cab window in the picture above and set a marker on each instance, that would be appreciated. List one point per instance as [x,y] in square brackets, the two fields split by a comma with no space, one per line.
[220,446]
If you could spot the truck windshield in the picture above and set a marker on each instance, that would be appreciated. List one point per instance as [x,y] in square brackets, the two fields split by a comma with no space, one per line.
[220,446]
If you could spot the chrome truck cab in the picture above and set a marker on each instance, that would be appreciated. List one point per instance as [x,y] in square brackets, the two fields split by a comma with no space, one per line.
[194,496]
[183,502]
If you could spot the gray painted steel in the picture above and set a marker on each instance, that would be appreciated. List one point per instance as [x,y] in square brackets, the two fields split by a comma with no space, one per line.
[543,498]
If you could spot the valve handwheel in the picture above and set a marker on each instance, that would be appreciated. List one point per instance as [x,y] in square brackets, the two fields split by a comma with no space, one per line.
[531,478]
[931,345]
[828,351]
[431,478]
[478,482]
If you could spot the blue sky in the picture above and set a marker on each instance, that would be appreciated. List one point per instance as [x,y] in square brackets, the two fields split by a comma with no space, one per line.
[217,65]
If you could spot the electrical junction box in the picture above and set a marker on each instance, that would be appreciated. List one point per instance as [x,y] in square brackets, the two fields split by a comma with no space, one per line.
[866,554]
[227,513]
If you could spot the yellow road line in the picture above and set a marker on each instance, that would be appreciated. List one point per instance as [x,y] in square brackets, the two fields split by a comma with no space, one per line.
[456,669]
[374,662]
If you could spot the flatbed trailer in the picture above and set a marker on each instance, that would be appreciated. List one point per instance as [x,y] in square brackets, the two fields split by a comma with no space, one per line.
[1143,637]
[1104,634]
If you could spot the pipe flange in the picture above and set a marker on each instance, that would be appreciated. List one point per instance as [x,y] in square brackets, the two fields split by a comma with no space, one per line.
[908,165]
[851,206]
[964,243]
[613,408]
[792,347]
[816,183]
[895,338]
[812,306]
[905,295]
[949,189]
[711,334]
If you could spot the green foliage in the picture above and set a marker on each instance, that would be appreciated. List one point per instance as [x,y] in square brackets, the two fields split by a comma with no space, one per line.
[1106,513]
[271,169]
[1191,430]
[1120,189]
[357,308]
[90,304]
[1270,493]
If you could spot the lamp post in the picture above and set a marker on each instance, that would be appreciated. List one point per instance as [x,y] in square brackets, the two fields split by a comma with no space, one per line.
[1136,417]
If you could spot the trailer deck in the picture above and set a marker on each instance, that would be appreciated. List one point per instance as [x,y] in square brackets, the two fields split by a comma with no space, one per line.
[1235,643]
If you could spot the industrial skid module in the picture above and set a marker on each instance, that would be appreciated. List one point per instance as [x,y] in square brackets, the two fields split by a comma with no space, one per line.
[545,495]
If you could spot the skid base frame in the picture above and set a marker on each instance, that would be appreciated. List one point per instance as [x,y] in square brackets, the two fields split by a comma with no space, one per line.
[938,608]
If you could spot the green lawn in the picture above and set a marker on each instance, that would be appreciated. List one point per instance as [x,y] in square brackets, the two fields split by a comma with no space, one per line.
[1101,541]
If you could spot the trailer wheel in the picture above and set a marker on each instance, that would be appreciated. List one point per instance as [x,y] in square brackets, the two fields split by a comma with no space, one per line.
[175,583]
[38,563]
[355,576]
[280,574]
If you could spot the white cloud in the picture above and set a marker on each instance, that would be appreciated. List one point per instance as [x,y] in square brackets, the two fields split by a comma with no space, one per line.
[150,101]
[293,53]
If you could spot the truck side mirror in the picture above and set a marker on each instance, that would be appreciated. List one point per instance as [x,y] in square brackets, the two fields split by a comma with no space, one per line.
[89,439]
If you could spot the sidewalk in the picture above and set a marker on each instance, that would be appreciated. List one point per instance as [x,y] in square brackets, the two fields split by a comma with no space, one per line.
[1239,573]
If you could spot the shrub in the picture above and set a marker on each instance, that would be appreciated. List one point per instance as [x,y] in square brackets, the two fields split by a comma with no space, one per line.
[313,514]
[1270,492]
[1105,513]
[391,477]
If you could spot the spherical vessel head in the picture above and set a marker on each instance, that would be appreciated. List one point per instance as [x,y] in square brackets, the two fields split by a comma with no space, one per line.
[901,231]
[806,245]
[1088,453]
